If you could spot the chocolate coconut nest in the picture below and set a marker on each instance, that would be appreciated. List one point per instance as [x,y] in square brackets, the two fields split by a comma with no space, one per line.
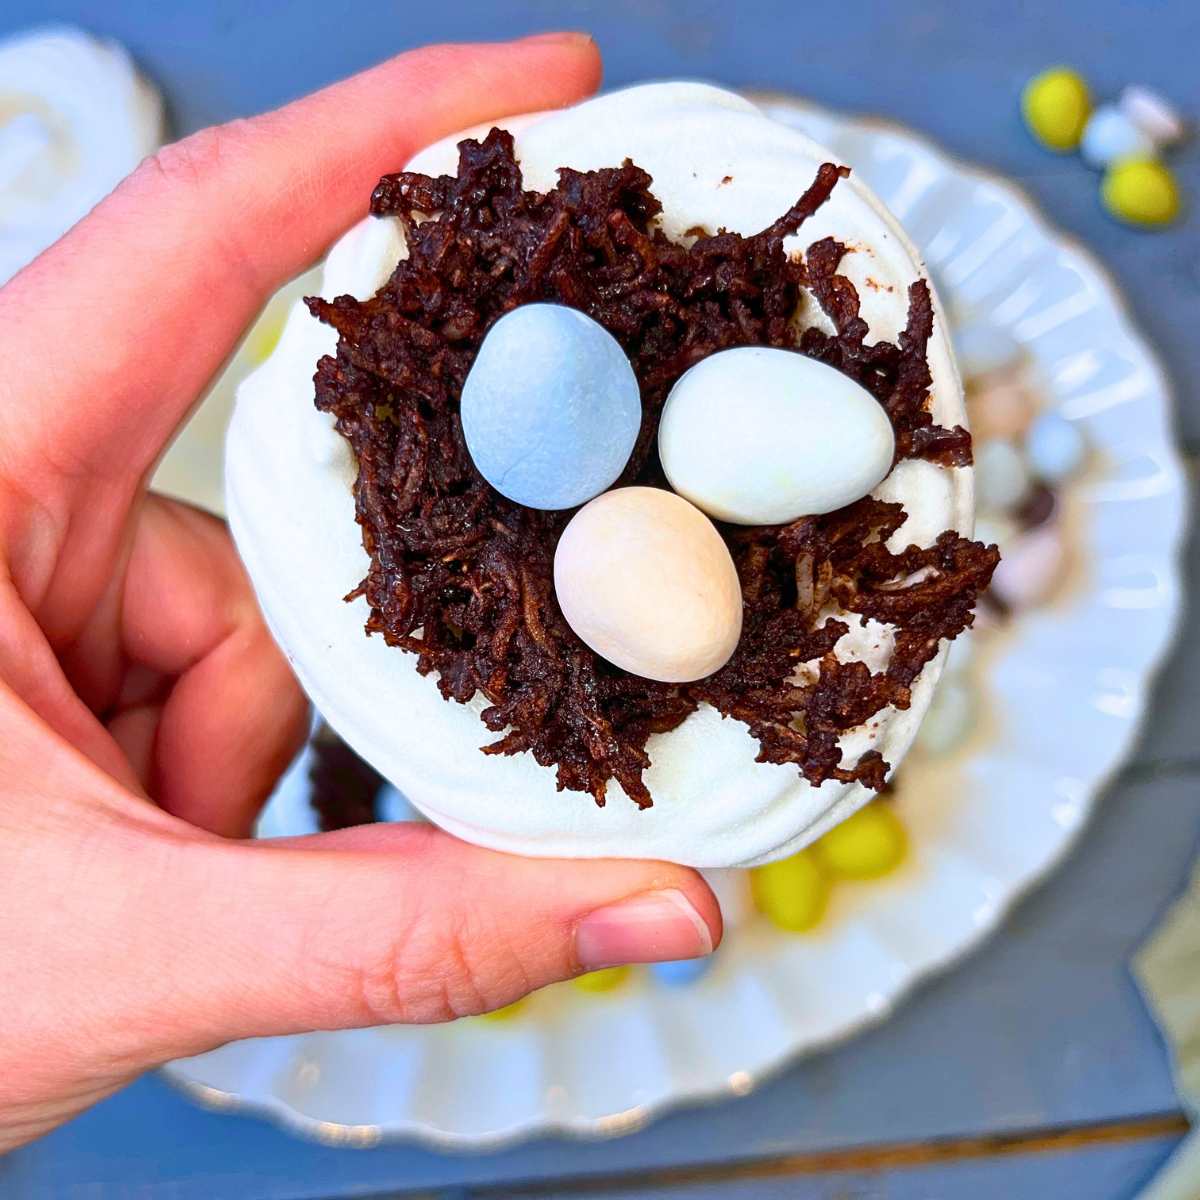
[462,577]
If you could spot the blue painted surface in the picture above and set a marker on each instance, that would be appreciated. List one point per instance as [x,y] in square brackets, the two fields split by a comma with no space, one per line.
[1044,1026]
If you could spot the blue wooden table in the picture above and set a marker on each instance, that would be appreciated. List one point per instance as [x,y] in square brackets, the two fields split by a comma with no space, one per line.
[1032,1070]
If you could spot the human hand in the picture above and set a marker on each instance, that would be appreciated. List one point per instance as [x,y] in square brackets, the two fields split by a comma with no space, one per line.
[144,711]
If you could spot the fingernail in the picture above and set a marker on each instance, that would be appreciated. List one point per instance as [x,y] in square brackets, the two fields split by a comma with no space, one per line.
[565,37]
[654,927]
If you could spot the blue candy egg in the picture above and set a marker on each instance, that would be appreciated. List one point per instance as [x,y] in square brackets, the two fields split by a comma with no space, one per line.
[1110,135]
[681,972]
[551,408]
[1055,447]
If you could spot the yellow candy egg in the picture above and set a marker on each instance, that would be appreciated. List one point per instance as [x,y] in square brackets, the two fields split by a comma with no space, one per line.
[602,981]
[500,1015]
[1141,191]
[791,893]
[1056,105]
[869,844]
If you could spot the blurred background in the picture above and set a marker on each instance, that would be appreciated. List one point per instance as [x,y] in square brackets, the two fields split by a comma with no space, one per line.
[989,985]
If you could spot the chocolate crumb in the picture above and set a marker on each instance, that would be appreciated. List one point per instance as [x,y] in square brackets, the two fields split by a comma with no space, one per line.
[462,577]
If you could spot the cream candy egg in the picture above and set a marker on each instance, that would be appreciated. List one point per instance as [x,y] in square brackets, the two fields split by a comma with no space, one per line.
[759,436]
[717,162]
[646,581]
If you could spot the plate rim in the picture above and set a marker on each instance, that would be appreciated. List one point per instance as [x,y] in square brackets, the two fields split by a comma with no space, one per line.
[602,1127]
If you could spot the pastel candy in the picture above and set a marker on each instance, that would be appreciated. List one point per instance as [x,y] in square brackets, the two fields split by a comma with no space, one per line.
[759,436]
[1110,135]
[1032,567]
[791,893]
[999,408]
[1141,191]
[1153,113]
[681,972]
[645,580]
[1055,105]
[867,844]
[1001,475]
[551,407]
[1055,447]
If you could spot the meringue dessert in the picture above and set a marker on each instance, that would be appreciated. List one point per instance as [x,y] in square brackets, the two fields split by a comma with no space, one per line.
[707,634]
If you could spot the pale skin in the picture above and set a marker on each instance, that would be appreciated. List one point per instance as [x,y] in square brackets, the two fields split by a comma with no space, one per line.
[144,710]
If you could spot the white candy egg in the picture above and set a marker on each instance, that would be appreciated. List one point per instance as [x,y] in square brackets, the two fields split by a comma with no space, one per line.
[1153,113]
[1002,478]
[759,436]
[645,580]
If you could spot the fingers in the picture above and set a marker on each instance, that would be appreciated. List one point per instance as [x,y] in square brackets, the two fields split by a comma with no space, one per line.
[121,324]
[211,747]
[388,924]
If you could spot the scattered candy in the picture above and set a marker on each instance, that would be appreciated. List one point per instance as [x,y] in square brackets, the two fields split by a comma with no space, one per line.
[507,1013]
[551,407]
[1110,135]
[984,349]
[1141,191]
[791,893]
[1154,114]
[1056,104]
[807,439]
[1055,447]
[1030,569]
[866,845]
[645,580]
[1002,476]
[604,980]
[949,719]
[999,408]
[682,972]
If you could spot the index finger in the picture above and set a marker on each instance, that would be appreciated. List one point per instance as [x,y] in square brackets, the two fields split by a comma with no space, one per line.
[115,330]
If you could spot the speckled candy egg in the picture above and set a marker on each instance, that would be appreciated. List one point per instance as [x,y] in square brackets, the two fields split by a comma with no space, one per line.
[758,436]
[551,407]
[645,580]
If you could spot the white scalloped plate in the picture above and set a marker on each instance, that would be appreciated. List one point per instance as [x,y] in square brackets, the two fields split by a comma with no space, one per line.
[1067,687]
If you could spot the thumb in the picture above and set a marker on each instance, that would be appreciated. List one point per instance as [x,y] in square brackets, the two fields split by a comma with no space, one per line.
[403,923]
